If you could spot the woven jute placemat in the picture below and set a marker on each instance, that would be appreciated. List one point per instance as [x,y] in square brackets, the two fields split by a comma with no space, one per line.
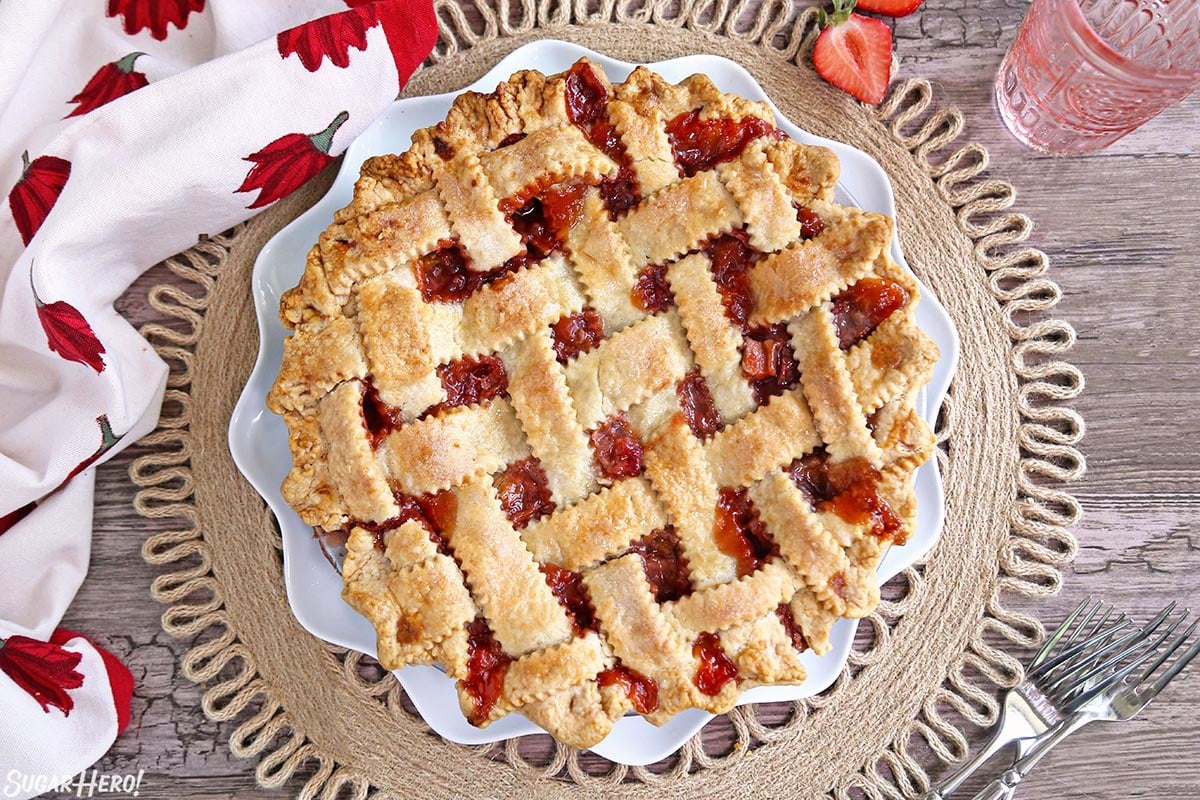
[928,663]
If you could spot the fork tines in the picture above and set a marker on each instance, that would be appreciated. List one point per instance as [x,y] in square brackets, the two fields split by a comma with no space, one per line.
[1140,651]
[1097,647]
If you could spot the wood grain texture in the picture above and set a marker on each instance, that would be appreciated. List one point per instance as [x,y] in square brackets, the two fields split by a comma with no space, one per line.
[1119,227]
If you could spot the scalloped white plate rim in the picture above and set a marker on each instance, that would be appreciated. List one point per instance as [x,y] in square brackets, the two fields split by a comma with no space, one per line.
[258,438]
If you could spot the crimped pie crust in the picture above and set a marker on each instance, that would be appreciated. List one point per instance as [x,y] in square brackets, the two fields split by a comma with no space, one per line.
[775,507]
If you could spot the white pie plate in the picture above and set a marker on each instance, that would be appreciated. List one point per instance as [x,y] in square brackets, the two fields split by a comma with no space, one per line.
[258,439]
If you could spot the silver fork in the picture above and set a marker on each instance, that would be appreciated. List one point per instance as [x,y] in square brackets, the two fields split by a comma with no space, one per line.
[1047,695]
[1110,697]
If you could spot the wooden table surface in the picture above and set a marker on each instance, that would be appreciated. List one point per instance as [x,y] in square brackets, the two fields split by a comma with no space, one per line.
[1120,229]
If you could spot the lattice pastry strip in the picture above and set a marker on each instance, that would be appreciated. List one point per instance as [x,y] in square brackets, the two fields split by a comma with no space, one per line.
[682,480]
[645,639]
[799,277]
[523,613]
[498,315]
[309,485]
[635,627]
[590,707]
[694,93]
[473,210]
[725,605]
[555,669]
[614,518]
[760,194]
[544,157]
[904,437]
[422,593]
[830,390]
[627,368]
[537,386]
[527,102]
[406,546]
[895,487]
[444,451]
[714,343]
[750,448]
[353,465]
[396,326]
[646,143]
[897,353]
[678,219]
[883,366]
[808,173]
[383,241]
[315,360]
[808,547]
[603,263]
[812,617]
[432,599]
[584,378]
[764,652]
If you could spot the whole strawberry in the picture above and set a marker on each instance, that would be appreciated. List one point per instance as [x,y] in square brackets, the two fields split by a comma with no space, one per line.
[854,52]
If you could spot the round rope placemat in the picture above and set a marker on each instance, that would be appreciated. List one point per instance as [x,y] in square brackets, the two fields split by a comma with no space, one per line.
[927,663]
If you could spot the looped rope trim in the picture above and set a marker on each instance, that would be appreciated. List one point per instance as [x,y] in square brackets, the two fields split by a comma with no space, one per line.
[1038,546]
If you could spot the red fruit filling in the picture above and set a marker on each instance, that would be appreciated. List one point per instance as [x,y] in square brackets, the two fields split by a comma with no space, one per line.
[523,491]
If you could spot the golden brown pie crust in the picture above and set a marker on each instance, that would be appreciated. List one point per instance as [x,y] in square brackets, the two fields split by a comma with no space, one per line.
[360,321]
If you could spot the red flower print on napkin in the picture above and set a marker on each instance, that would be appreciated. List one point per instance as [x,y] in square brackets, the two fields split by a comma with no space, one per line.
[42,181]
[120,679]
[13,517]
[410,27]
[286,163]
[153,14]
[110,82]
[107,440]
[67,332]
[43,669]
[330,36]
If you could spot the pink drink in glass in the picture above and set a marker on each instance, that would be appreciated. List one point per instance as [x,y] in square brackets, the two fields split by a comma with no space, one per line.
[1083,73]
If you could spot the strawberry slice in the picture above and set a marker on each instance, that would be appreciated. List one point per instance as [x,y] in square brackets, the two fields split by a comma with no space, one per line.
[890,8]
[854,53]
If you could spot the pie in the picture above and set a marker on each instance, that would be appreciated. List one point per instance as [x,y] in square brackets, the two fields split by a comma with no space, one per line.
[613,404]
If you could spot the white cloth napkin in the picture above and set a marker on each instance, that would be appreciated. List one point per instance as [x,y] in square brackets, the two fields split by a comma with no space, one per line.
[128,128]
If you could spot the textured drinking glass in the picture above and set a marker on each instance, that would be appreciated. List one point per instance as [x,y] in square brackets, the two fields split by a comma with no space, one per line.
[1083,73]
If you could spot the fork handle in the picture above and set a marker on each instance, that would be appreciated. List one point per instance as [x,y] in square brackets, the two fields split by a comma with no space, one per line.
[955,779]
[1004,787]
[1011,730]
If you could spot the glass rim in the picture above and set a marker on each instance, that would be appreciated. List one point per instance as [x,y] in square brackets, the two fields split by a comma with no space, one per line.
[1113,58]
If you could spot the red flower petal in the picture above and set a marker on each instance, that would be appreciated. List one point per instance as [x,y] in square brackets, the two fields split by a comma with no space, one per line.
[44,670]
[110,82]
[153,14]
[37,191]
[327,37]
[70,335]
[13,517]
[411,29]
[285,164]
[120,679]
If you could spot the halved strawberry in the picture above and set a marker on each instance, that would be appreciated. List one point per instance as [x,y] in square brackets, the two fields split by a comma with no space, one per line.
[854,53]
[890,8]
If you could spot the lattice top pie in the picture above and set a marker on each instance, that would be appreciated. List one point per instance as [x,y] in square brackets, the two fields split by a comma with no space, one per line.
[613,403]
